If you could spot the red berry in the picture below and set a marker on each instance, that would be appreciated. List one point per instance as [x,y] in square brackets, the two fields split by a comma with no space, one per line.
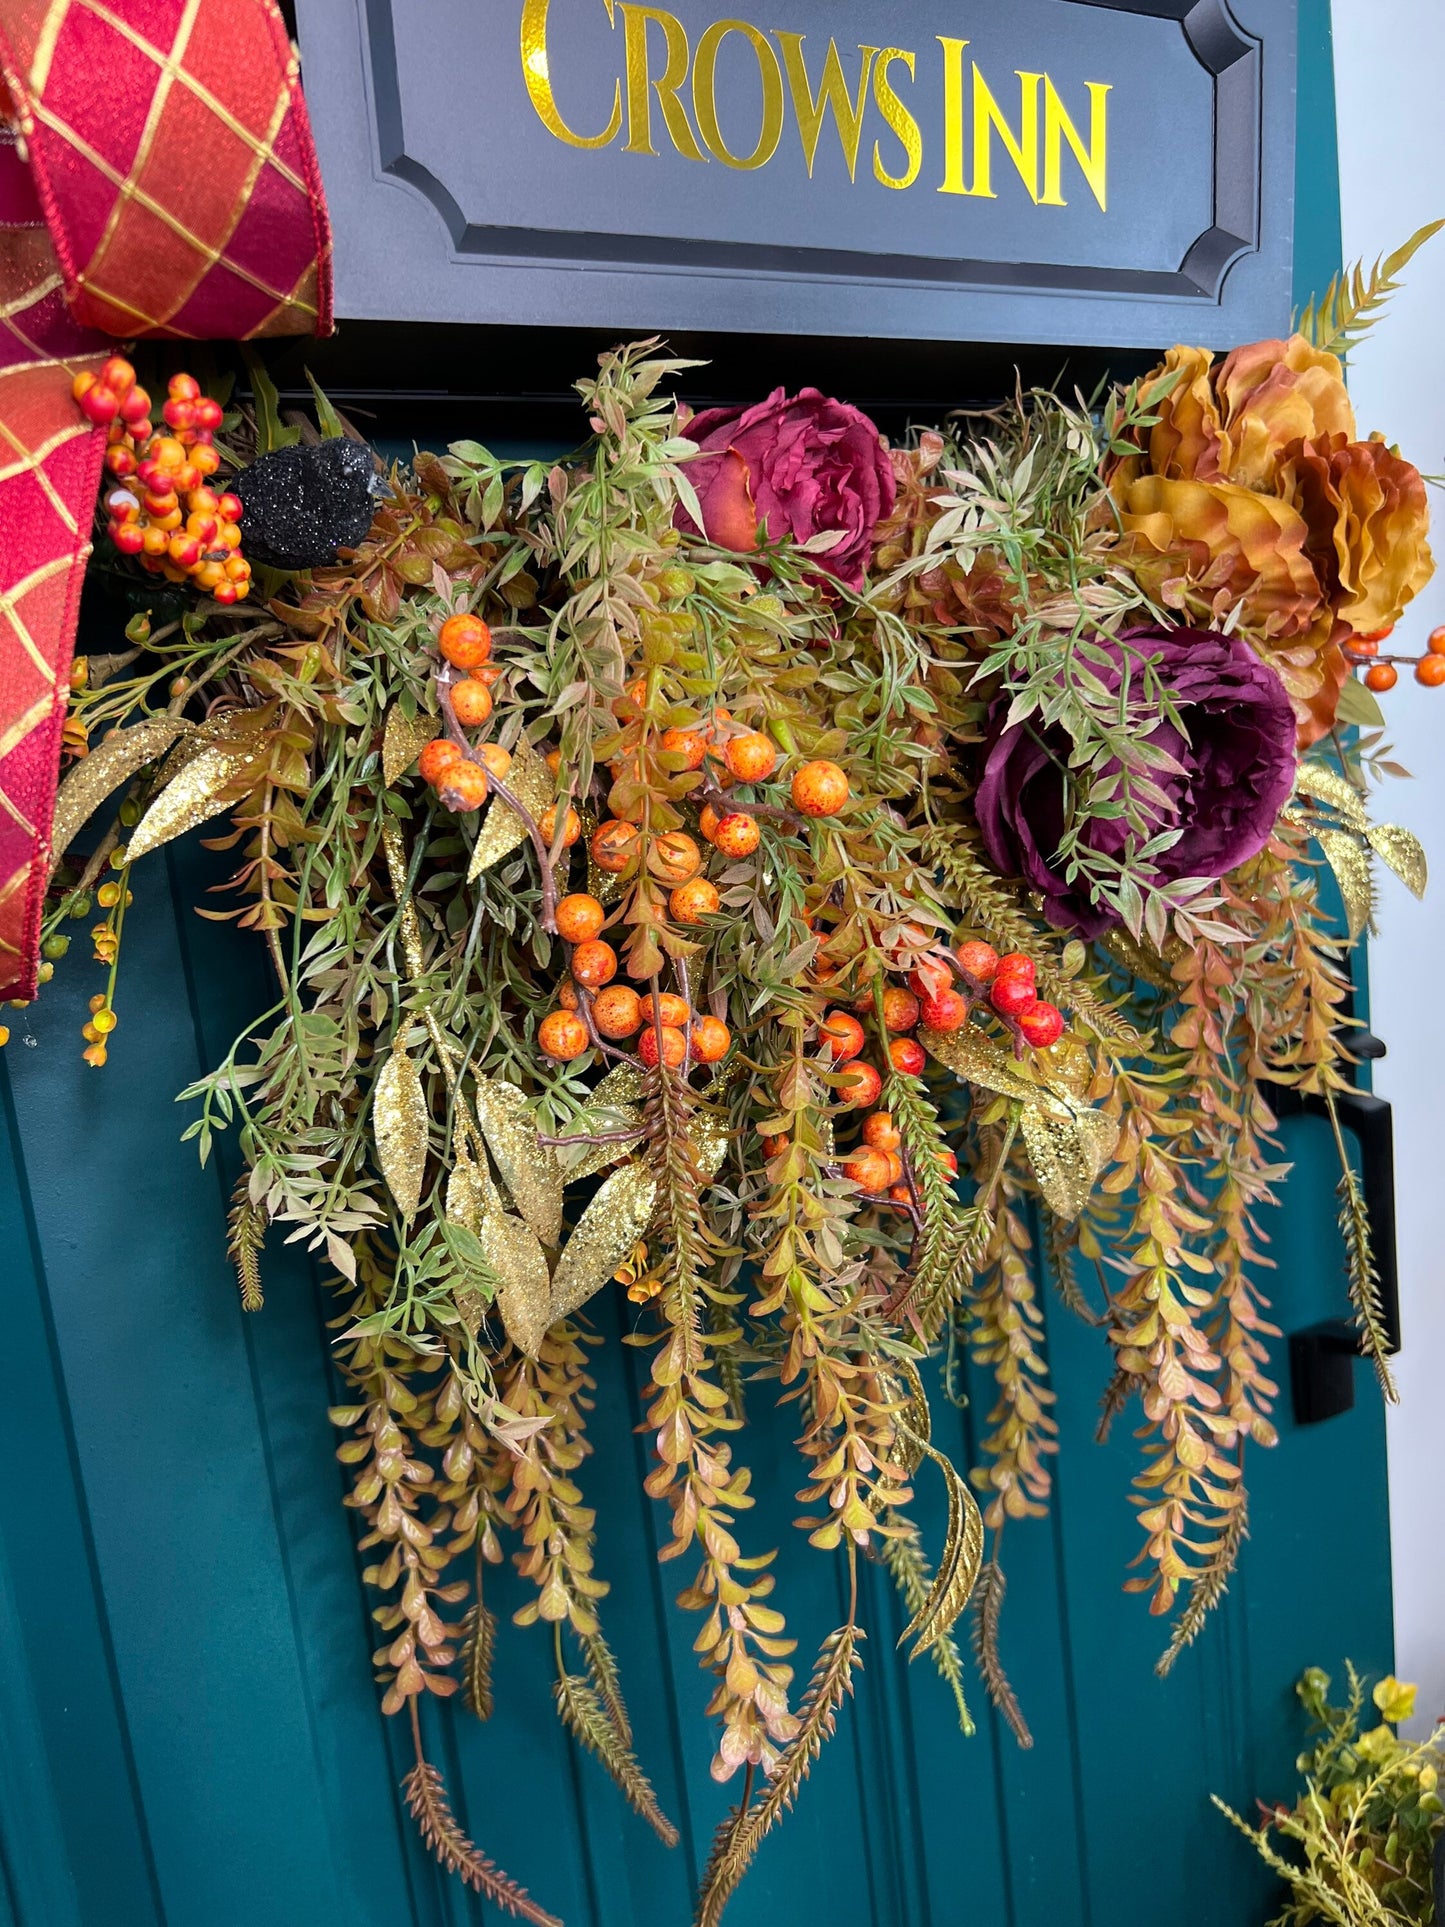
[117,375]
[209,414]
[1011,995]
[908,1056]
[860,1087]
[980,960]
[183,388]
[1014,963]
[843,1035]
[900,1009]
[120,461]
[128,537]
[179,414]
[100,404]
[1041,1025]
[931,977]
[136,407]
[881,1132]
[229,507]
[868,1169]
[946,1011]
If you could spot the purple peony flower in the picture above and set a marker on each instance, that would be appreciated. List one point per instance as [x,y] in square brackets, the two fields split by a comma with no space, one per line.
[1236,767]
[796,467]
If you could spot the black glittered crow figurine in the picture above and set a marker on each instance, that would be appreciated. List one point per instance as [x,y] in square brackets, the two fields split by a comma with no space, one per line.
[302,504]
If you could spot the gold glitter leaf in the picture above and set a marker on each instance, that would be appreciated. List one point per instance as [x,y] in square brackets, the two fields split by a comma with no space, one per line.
[1403,851]
[1351,865]
[616,1218]
[625,1083]
[960,1565]
[235,725]
[525,1299]
[400,1120]
[709,1133]
[529,1168]
[530,781]
[108,765]
[974,1055]
[1328,786]
[1068,1149]
[402,741]
[209,784]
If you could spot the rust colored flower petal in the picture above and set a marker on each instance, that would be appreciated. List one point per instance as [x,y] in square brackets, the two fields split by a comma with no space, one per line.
[1368,520]
[1275,393]
[1188,442]
[1205,547]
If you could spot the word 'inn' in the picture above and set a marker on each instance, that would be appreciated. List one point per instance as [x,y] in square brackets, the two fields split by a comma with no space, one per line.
[662,71]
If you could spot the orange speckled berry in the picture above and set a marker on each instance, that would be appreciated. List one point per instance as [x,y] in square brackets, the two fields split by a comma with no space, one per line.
[692,901]
[668,1043]
[752,757]
[465,641]
[674,858]
[617,1010]
[614,844]
[820,789]
[594,963]
[711,1040]
[881,1132]
[463,786]
[437,758]
[571,828]
[980,960]
[579,917]
[494,759]
[690,743]
[472,701]
[737,834]
[672,1009]
[563,1035]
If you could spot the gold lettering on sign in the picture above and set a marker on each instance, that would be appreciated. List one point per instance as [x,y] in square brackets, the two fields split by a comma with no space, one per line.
[704,94]
[1059,128]
[898,118]
[811,109]
[952,182]
[988,119]
[537,73]
[973,119]
[641,85]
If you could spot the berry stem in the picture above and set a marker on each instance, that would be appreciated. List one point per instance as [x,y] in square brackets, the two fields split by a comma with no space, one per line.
[456,734]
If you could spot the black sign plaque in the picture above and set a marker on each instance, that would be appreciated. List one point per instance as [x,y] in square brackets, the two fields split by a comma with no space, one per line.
[1105,172]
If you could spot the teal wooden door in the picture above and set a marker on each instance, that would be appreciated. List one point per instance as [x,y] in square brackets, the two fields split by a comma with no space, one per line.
[190,1730]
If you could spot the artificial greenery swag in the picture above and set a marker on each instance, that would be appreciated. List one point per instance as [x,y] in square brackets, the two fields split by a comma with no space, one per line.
[773,871]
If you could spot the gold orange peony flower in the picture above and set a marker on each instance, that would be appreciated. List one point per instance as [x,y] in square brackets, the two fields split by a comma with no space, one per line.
[1251,492]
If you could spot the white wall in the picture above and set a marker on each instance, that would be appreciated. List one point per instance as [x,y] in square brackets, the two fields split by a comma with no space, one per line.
[1390,75]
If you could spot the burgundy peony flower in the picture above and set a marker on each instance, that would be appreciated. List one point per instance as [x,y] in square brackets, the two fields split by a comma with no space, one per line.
[1237,763]
[797,467]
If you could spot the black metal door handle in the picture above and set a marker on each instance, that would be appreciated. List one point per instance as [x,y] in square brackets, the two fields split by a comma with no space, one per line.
[1322,1356]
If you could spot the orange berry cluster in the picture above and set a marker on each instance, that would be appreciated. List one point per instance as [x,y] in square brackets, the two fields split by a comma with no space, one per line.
[460,777]
[1382,673]
[877,1166]
[159,473]
[673,1035]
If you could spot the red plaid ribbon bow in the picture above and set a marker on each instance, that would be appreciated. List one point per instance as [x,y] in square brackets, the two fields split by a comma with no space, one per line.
[157,177]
